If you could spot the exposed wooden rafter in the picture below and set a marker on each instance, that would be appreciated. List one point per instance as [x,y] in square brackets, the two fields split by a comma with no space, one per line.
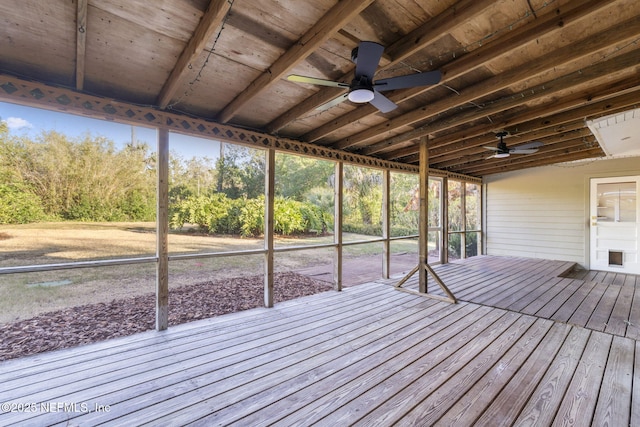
[81,42]
[403,48]
[465,64]
[625,31]
[208,25]
[330,23]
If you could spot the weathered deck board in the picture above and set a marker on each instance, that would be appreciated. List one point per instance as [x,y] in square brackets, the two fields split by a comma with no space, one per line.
[617,323]
[551,390]
[367,355]
[614,401]
[485,391]
[511,399]
[571,305]
[581,396]
[356,376]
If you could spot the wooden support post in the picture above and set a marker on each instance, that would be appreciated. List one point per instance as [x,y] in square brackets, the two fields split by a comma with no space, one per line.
[162,231]
[424,269]
[444,252]
[423,228]
[337,225]
[269,196]
[386,223]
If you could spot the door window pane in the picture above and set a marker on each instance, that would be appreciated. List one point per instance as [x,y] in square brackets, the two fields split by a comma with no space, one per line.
[617,202]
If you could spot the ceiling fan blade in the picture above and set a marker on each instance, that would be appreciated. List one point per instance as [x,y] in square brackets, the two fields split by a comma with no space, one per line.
[315,81]
[332,103]
[491,157]
[491,148]
[533,144]
[410,80]
[382,103]
[368,58]
[523,150]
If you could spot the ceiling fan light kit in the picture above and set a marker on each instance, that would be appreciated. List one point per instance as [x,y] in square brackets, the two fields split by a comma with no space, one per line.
[360,96]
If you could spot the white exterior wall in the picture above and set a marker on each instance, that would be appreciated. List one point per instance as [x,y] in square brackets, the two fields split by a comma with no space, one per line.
[544,212]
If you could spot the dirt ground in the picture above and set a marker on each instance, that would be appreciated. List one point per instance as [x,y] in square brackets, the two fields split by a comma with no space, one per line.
[89,323]
[94,322]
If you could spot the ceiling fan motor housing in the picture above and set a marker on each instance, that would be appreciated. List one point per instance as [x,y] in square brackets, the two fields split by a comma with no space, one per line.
[502,147]
[361,90]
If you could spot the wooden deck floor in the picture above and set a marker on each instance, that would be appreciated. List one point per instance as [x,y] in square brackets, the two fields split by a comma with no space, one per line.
[600,301]
[368,355]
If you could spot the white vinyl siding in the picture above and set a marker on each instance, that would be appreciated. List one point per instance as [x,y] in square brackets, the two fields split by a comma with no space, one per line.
[543,212]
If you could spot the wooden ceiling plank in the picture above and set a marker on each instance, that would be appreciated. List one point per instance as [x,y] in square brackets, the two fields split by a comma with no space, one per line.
[474,146]
[544,90]
[477,154]
[397,52]
[570,13]
[81,42]
[546,118]
[565,15]
[208,25]
[593,153]
[571,147]
[622,32]
[456,141]
[447,21]
[326,26]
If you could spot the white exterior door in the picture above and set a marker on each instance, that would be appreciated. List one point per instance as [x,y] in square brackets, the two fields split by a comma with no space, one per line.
[615,224]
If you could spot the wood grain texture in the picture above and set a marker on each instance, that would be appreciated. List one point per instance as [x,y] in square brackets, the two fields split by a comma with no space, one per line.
[366,355]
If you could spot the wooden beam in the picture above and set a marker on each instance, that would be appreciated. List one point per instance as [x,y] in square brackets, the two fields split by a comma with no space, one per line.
[590,75]
[81,42]
[386,223]
[548,118]
[419,38]
[326,26]
[625,31]
[338,185]
[209,23]
[162,232]
[423,226]
[568,14]
[269,213]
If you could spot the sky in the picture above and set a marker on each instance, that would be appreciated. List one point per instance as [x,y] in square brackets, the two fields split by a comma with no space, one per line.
[31,122]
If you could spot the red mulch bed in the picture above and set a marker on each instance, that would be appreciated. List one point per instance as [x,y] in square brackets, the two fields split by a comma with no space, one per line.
[96,322]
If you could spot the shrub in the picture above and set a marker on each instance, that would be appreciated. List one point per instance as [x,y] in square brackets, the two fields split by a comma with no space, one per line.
[360,228]
[19,205]
[208,212]
[252,217]
[219,214]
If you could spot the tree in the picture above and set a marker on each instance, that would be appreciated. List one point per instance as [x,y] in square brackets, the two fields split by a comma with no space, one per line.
[83,179]
[296,176]
[363,195]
